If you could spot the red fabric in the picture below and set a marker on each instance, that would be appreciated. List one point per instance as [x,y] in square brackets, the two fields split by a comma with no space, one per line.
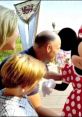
[73,105]
[80,30]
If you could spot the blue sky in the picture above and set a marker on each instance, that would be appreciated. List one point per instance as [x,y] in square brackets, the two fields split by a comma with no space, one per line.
[63,13]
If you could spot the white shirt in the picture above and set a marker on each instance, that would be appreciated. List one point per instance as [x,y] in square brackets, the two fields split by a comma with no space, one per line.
[15,106]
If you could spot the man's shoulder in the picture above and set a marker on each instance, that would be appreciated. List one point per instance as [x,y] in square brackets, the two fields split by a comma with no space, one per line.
[29,51]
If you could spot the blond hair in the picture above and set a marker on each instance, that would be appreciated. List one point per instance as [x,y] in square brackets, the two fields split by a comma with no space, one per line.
[8,23]
[22,70]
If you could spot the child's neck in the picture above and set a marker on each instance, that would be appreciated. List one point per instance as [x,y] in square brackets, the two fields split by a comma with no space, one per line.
[13,92]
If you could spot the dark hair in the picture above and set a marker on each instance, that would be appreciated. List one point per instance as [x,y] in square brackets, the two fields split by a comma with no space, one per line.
[44,37]
[68,38]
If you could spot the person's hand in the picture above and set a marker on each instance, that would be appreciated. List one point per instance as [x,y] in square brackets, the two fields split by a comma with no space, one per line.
[48,86]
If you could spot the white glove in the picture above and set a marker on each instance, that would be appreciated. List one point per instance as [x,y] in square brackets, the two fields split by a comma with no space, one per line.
[47,86]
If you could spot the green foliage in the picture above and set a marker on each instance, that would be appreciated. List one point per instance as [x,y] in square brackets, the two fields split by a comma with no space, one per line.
[6,53]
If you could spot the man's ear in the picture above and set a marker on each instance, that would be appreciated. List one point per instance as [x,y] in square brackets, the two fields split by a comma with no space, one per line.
[49,48]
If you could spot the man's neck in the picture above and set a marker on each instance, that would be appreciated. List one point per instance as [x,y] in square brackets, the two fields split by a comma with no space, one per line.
[39,54]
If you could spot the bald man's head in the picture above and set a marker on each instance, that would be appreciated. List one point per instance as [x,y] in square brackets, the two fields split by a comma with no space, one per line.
[45,37]
[47,45]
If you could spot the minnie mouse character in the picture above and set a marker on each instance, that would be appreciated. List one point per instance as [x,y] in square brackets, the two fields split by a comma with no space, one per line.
[71,73]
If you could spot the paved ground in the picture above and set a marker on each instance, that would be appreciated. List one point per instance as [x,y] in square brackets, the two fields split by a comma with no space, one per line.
[56,99]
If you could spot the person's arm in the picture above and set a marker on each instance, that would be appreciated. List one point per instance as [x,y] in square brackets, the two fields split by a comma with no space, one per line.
[54,76]
[35,100]
[61,87]
[41,110]
[50,84]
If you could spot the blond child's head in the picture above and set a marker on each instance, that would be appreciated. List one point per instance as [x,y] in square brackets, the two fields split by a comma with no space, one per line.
[22,70]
